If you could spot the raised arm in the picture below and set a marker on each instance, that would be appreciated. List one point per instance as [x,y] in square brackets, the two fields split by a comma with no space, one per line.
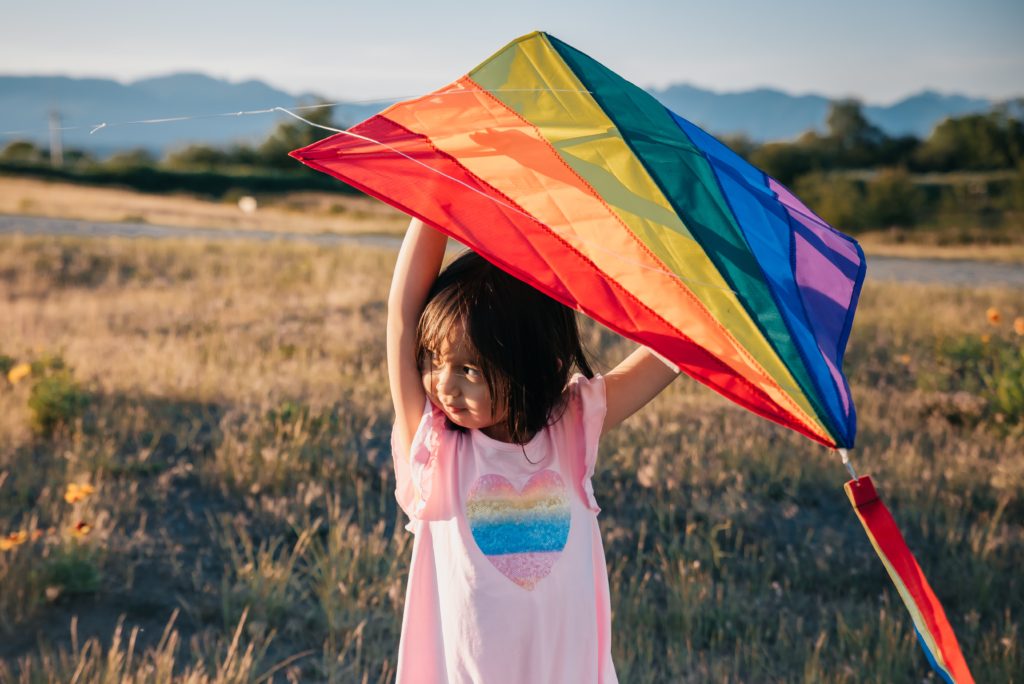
[634,382]
[419,261]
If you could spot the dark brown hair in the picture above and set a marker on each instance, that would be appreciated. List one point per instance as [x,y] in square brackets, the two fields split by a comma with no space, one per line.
[526,343]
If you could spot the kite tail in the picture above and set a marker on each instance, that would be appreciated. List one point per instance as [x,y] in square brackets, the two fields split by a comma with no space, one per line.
[930,623]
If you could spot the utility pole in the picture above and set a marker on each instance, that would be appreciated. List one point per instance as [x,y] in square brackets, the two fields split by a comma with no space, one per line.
[56,147]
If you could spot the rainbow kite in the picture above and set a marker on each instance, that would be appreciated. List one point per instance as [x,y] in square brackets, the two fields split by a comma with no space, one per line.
[583,185]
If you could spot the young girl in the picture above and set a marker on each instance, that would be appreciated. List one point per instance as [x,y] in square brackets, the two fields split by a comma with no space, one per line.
[497,420]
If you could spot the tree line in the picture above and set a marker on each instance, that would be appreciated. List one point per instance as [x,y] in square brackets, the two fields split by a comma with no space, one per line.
[974,142]
[966,176]
[271,153]
[965,180]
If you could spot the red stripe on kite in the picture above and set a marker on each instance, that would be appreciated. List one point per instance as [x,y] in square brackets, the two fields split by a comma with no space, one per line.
[496,227]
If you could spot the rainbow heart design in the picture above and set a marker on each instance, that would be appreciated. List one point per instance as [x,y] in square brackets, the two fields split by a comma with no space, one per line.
[522,533]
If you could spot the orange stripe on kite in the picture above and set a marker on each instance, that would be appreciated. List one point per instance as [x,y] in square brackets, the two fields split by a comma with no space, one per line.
[933,629]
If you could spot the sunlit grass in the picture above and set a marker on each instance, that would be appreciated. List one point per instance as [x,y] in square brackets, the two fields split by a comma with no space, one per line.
[226,486]
[297,212]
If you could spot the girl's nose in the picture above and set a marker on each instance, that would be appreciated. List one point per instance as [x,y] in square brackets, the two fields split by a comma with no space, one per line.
[446,384]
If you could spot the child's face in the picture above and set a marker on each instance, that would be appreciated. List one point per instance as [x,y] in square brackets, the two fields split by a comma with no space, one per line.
[455,383]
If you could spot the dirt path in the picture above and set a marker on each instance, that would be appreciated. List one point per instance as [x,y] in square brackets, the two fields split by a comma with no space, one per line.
[44,225]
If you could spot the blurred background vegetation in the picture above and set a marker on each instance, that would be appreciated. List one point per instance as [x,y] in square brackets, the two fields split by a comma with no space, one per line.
[213,172]
[962,184]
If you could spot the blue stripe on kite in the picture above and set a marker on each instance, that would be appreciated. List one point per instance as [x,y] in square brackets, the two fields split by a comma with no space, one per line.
[754,205]
[948,678]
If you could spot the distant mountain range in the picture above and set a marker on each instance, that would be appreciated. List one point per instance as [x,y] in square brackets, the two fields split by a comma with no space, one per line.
[26,102]
[765,114]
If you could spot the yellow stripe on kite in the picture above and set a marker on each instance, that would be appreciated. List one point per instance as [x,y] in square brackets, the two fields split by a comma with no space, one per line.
[531,79]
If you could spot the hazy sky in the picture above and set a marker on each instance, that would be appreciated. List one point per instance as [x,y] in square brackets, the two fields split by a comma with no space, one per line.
[877,50]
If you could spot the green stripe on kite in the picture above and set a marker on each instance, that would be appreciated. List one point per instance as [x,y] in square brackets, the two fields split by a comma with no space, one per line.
[686,179]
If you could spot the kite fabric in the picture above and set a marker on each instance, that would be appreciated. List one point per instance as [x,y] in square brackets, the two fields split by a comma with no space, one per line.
[581,184]
[576,181]
[933,630]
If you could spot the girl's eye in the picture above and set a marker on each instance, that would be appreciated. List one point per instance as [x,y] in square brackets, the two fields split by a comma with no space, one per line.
[471,372]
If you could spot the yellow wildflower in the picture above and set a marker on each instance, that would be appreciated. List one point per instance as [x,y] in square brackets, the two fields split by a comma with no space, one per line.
[993,315]
[77,492]
[986,338]
[13,539]
[1018,325]
[81,529]
[18,372]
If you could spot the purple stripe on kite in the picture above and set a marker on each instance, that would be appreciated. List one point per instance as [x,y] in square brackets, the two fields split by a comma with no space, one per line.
[826,290]
[828,270]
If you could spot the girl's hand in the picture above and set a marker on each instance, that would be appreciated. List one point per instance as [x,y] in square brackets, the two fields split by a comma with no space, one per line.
[419,261]
[633,383]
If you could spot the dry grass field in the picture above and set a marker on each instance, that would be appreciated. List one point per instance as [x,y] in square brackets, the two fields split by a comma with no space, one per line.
[884,244]
[195,483]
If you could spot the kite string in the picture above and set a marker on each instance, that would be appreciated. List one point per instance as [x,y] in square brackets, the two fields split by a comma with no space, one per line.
[573,237]
[167,119]
[93,128]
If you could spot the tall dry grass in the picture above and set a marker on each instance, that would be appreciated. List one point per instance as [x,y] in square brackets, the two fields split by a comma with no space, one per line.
[242,525]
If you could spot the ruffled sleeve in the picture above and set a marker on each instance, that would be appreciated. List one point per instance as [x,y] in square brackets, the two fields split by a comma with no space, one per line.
[414,472]
[588,406]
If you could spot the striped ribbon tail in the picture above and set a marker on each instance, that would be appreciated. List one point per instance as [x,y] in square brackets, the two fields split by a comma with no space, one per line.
[933,630]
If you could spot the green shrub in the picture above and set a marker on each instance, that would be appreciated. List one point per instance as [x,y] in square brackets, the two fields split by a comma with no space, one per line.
[989,367]
[56,400]
[1006,383]
[23,151]
[837,199]
[784,162]
[128,160]
[73,571]
[892,199]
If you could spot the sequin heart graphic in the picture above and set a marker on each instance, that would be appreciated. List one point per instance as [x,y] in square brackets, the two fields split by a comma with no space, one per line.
[523,532]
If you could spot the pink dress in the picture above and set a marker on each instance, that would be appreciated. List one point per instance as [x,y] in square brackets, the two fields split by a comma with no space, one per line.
[508,580]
